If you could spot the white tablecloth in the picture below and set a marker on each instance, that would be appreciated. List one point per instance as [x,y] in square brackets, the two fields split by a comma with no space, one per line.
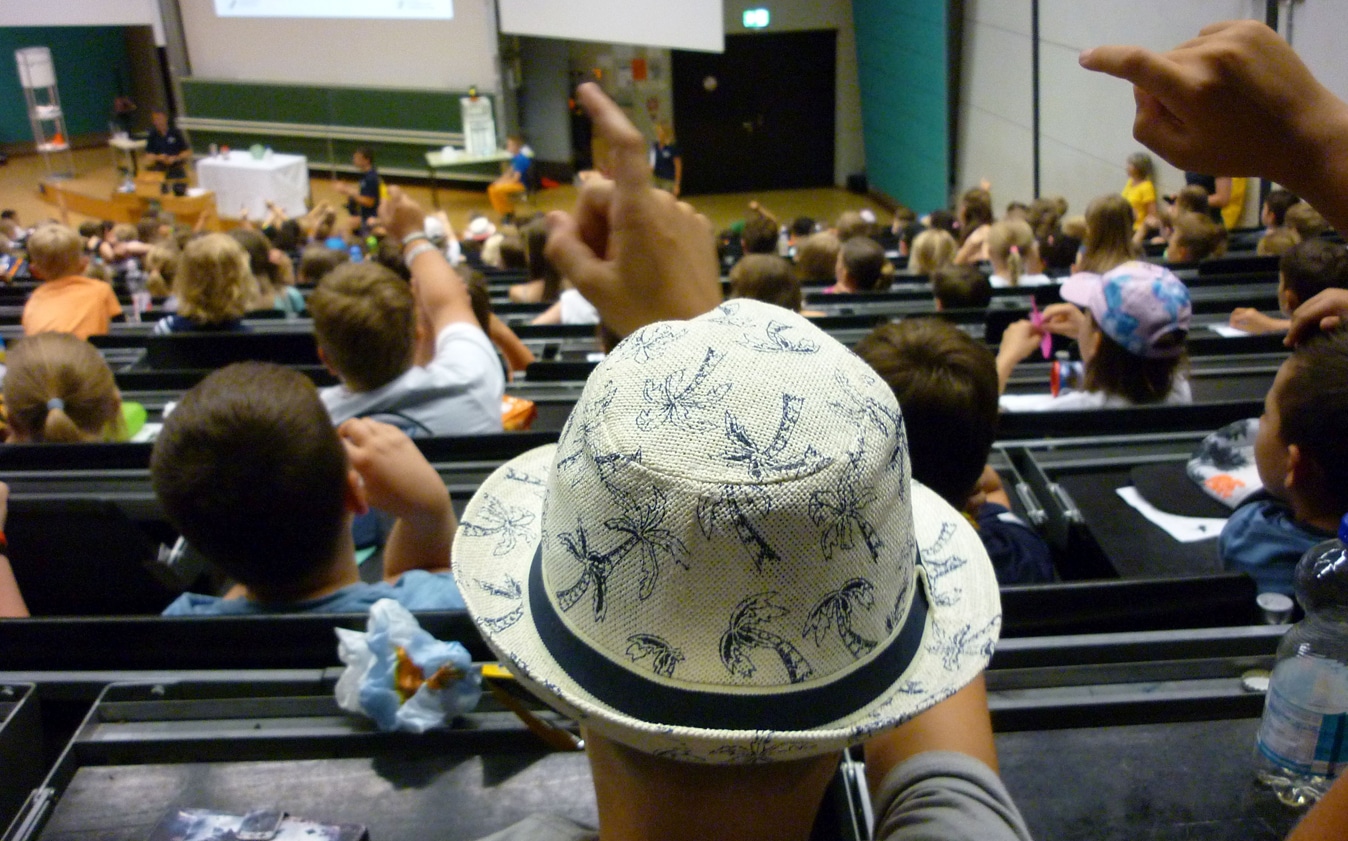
[238,180]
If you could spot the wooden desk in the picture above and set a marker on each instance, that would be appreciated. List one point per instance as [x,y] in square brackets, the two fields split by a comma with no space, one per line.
[128,147]
[439,160]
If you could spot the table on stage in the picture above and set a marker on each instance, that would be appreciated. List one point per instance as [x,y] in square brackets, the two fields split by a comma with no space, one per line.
[240,180]
[438,160]
[128,147]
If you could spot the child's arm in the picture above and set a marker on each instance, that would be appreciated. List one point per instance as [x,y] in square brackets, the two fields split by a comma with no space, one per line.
[517,355]
[960,723]
[399,480]
[12,605]
[438,288]
[1253,321]
[1019,341]
[754,206]
[551,315]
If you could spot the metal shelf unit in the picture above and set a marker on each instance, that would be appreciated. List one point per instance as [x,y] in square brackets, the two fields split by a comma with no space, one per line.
[37,76]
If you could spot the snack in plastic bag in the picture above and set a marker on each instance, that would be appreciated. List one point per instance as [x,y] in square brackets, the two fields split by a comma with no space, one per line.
[401,676]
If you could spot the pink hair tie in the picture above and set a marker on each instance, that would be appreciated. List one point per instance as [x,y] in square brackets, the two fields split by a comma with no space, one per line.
[1015,249]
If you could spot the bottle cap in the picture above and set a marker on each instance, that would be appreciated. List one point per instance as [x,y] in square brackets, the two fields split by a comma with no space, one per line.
[1343,529]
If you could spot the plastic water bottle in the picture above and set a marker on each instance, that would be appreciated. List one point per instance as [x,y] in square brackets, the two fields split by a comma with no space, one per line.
[1303,738]
[356,253]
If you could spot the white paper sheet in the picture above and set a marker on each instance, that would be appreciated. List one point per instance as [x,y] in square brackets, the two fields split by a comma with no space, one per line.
[1183,529]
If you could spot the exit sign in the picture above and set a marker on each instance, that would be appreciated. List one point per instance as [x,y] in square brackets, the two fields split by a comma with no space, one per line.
[756,18]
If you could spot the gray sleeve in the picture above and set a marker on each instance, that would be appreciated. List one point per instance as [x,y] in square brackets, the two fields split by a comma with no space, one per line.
[942,796]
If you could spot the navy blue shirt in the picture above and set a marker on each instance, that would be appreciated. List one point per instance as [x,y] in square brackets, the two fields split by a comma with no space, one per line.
[663,162]
[369,189]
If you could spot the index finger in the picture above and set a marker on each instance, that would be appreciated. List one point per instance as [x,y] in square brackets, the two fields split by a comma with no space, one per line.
[1150,71]
[628,161]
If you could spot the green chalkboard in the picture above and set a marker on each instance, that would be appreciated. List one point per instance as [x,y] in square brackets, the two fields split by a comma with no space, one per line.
[383,108]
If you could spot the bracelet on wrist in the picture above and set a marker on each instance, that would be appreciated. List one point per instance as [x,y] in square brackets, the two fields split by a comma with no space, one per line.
[416,252]
[413,237]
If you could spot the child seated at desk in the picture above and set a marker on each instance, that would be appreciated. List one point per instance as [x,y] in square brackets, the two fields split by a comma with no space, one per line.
[58,389]
[946,385]
[1131,336]
[67,301]
[251,471]
[213,285]
[415,356]
[1302,455]
[1304,271]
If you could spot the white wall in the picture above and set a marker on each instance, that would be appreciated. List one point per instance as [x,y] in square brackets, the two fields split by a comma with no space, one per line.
[83,13]
[683,25]
[849,153]
[450,54]
[1316,31]
[1086,120]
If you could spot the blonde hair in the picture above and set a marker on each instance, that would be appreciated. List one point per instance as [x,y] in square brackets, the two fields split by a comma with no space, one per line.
[1276,242]
[58,389]
[161,265]
[1109,234]
[125,232]
[817,256]
[55,251]
[932,249]
[213,283]
[1010,242]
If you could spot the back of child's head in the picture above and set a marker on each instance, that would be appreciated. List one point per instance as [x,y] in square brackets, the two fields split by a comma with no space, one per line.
[1191,199]
[54,252]
[932,249]
[1277,242]
[1044,217]
[1010,243]
[1278,202]
[1313,412]
[316,261]
[802,226]
[975,210]
[214,283]
[287,236]
[58,389]
[904,215]
[1142,163]
[852,224]
[388,253]
[960,287]
[760,235]
[90,229]
[1306,220]
[125,232]
[147,229]
[942,219]
[1016,210]
[1109,234]
[1198,236]
[365,324]
[1312,266]
[946,384]
[264,271]
[479,295]
[908,233]
[766,277]
[865,262]
[817,257]
[250,470]
[161,267]
[512,254]
[1141,315]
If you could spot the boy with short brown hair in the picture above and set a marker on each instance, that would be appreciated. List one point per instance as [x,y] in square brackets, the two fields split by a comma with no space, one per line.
[66,302]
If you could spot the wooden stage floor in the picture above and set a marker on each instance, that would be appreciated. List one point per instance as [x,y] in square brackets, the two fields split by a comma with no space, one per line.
[96,175]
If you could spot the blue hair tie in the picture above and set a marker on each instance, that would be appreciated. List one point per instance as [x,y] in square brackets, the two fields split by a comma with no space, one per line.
[55,403]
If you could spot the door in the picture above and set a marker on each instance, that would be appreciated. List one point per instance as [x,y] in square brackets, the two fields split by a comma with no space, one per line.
[760,115]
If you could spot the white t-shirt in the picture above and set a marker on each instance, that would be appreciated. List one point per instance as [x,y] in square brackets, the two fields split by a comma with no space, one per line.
[999,282]
[458,393]
[1067,400]
[577,310]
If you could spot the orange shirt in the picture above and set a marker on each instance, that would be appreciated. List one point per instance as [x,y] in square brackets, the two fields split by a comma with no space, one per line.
[79,305]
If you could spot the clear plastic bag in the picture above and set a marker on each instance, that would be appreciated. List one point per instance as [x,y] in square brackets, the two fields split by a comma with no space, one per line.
[401,676]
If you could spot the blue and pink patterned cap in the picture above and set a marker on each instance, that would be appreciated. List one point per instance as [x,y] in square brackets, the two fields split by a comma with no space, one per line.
[1143,307]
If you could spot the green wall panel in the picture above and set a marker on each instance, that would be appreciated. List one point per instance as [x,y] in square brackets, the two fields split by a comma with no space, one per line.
[89,61]
[903,70]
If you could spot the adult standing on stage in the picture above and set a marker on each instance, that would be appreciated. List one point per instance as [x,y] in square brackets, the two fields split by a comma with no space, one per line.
[166,149]
[363,196]
[666,161]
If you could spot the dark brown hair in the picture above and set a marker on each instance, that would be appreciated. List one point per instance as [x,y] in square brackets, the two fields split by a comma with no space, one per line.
[975,211]
[960,287]
[946,384]
[250,470]
[865,262]
[817,257]
[766,277]
[1138,379]
[1312,266]
[316,261]
[760,235]
[364,322]
[1313,410]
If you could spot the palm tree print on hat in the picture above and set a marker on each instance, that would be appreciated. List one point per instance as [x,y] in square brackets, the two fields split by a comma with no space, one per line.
[835,611]
[592,415]
[646,344]
[868,412]
[682,401]
[507,521]
[663,656]
[510,591]
[841,511]
[773,341]
[747,633]
[771,459]
[739,506]
[964,641]
[760,749]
